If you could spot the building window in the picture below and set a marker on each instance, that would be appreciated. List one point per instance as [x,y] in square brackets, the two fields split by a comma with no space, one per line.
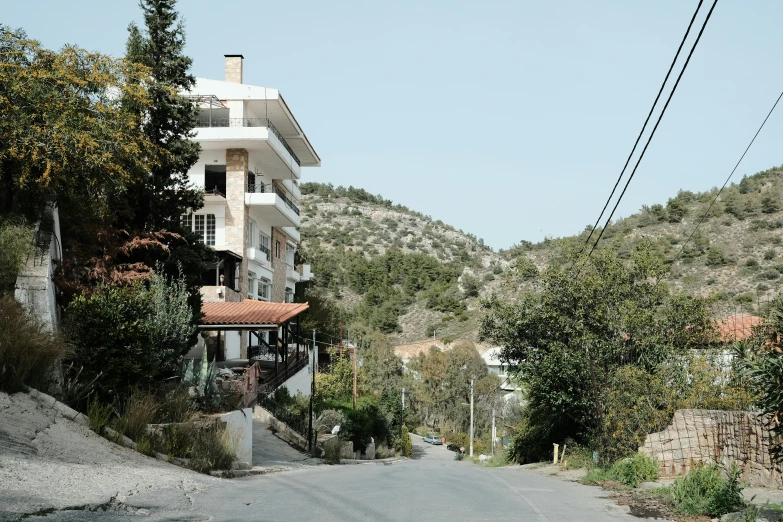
[289,295]
[203,225]
[199,227]
[264,287]
[186,220]
[289,255]
[277,249]
[211,229]
[263,243]
[251,234]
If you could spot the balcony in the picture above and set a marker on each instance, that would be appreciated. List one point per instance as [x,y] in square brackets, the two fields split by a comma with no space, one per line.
[272,204]
[292,275]
[267,147]
[259,255]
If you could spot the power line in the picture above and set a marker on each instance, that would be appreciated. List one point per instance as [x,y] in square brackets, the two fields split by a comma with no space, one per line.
[641,132]
[660,117]
[704,216]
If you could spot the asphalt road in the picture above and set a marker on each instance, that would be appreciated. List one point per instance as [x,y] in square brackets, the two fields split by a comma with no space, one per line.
[430,487]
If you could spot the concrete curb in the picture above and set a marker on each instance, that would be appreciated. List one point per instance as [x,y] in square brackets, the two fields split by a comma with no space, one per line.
[390,460]
[63,409]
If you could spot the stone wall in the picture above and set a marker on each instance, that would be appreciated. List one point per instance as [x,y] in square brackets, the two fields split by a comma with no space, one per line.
[698,437]
[278,266]
[34,287]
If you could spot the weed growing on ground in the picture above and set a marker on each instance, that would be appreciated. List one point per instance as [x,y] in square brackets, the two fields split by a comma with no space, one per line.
[706,491]
[630,471]
[100,414]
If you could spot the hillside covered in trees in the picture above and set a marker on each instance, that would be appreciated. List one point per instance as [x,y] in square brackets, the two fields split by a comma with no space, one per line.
[389,267]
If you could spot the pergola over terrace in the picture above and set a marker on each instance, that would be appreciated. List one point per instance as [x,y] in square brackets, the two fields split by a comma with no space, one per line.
[281,320]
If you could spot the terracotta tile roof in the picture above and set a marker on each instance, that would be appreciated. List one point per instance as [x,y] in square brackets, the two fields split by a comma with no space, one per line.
[249,312]
[737,327]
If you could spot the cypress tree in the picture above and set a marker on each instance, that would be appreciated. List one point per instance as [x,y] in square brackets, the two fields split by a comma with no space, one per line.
[169,119]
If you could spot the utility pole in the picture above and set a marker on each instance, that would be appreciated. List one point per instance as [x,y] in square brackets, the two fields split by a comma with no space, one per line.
[354,377]
[493,432]
[471,417]
[313,364]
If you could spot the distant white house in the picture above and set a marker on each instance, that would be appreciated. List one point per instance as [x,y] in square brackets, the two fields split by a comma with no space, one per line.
[500,368]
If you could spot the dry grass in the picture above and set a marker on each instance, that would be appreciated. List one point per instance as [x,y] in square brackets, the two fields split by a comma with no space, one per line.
[141,409]
[27,350]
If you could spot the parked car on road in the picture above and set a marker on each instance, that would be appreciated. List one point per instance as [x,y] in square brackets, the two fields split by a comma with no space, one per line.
[433,439]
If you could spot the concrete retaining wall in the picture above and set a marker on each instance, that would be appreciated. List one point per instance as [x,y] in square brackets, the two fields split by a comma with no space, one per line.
[34,287]
[283,430]
[240,425]
[698,437]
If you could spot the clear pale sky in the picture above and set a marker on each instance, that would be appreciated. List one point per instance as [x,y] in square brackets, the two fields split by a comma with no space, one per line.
[507,119]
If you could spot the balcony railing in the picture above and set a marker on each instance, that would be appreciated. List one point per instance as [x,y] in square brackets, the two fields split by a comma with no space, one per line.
[261,188]
[248,122]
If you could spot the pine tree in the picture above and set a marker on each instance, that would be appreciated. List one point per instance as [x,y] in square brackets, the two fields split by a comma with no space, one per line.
[169,119]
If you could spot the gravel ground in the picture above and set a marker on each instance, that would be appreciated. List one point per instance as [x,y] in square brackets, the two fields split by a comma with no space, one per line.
[50,463]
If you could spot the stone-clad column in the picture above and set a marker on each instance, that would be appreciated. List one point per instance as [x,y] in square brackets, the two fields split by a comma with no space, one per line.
[236,210]
[278,266]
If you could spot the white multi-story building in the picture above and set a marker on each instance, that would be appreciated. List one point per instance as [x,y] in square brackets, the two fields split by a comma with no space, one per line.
[253,151]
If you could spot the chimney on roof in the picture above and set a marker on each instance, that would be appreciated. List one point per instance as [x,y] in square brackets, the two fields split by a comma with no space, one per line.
[234,68]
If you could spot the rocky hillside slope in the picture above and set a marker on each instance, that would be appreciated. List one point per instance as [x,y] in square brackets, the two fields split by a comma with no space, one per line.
[340,225]
[735,255]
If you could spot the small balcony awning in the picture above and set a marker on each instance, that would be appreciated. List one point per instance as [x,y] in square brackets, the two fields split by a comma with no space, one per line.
[248,315]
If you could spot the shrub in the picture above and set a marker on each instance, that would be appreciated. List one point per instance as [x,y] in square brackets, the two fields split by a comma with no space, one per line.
[16,238]
[111,342]
[125,337]
[470,285]
[489,276]
[763,287]
[770,254]
[704,491]
[327,421]
[630,471]
[716,257]
[769,274]
[406,445]
[27,350]
[752,262]
[634,470]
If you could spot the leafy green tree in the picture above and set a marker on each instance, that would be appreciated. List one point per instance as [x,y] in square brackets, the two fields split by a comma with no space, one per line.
[770,202]
[565,343]
[71,133]
[676,210]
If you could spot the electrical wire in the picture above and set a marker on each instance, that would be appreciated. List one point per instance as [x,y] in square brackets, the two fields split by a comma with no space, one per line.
[660,117]
[704,216]
[644,127]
